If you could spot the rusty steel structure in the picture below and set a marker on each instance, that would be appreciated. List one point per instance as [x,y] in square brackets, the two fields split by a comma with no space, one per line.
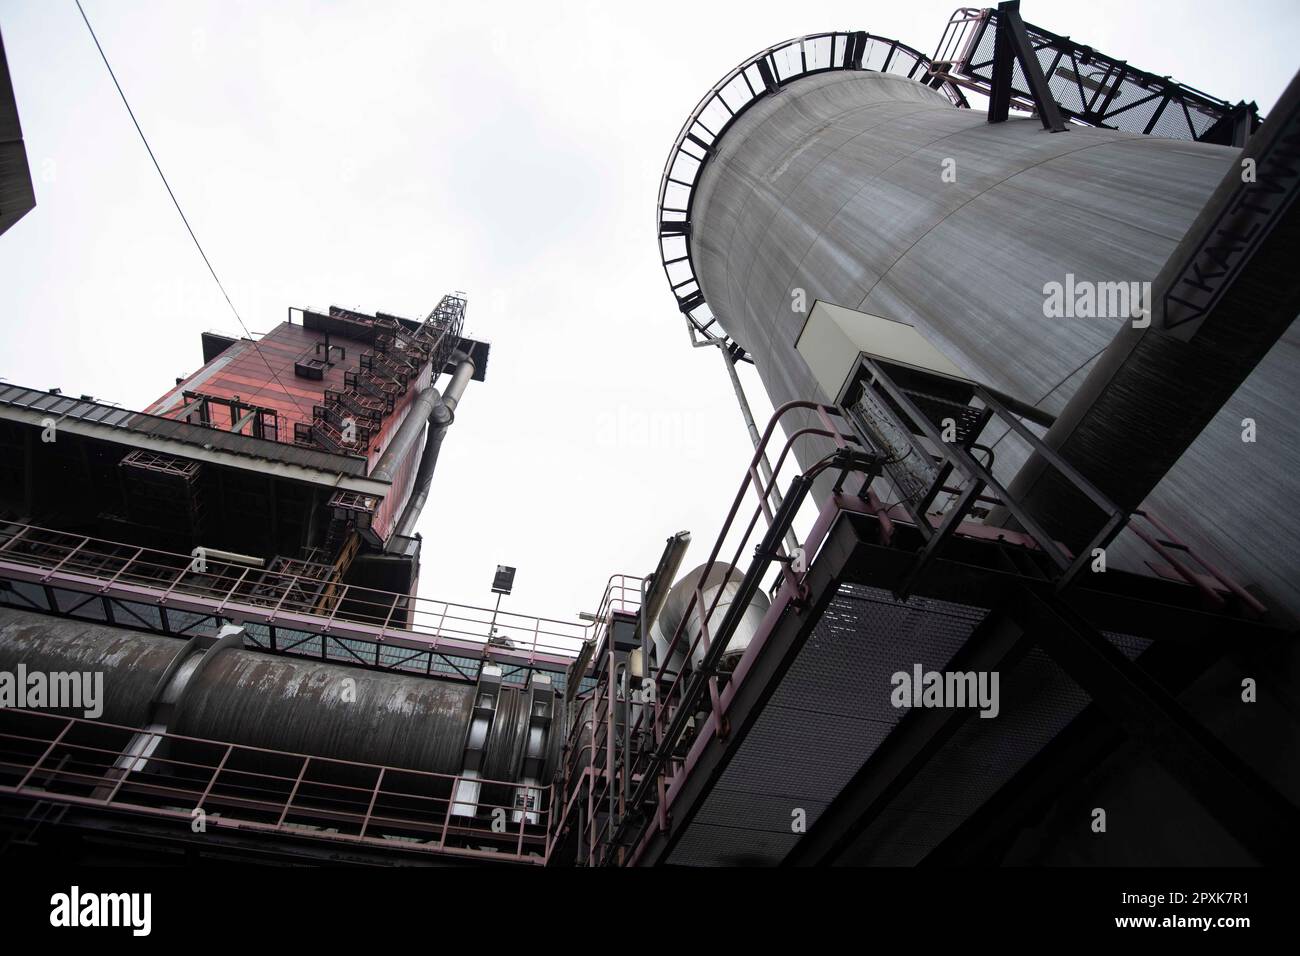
[239,562]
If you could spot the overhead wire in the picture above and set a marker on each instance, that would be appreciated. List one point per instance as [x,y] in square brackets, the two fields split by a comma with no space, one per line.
[175,202]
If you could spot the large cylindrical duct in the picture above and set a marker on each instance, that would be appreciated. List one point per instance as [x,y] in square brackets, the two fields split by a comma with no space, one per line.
[440,419]
[872,191]
[280,703]
[132,663]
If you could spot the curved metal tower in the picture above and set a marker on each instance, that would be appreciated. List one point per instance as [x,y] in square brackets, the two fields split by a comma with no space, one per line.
[842,168]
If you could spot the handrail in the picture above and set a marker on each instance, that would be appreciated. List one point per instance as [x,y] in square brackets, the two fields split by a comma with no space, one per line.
[72,760]
[626,788]
[1164,542]
[101,566]
[750,481]
[651,774]
[760,75]
[1089,86]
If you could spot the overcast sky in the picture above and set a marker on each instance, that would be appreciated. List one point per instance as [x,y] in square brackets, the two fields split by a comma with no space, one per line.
[378,154]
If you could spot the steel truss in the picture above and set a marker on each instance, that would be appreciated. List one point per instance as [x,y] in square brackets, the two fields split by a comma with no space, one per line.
[1059,78]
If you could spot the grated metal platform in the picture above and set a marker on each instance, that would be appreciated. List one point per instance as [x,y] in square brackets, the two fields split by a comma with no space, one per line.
[832,711]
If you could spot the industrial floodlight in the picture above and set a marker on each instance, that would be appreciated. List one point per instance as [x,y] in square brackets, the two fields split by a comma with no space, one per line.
[504,580]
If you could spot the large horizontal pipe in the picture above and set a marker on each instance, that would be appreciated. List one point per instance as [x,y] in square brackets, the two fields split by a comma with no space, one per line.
[298,705]
[696,591]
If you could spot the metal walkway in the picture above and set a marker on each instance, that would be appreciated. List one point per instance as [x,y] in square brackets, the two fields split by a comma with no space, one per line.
[147,589]
[797,756]
[230,790]
[1083,84]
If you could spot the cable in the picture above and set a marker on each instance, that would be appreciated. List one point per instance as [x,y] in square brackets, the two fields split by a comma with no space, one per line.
[181,212]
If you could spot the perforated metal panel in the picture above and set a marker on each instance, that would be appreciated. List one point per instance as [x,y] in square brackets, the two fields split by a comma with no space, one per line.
[1080,85]
[1038,700]
[832,711]
[828,716]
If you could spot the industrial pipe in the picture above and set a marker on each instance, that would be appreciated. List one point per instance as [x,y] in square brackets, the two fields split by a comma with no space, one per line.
[291,704]
[721,577]
[440,419]
[407,434]
[764,466]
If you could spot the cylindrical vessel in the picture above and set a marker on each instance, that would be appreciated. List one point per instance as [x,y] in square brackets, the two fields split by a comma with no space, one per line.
[872,191]
[720,584]
[280,703]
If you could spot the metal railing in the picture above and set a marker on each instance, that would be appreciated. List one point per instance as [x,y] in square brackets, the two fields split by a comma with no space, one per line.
[604,773]
[386,372]
[958,39]
[87,763]
[1087,85]
[622,595]
[759,76]
[122,572]
[1210,580]
[627,754]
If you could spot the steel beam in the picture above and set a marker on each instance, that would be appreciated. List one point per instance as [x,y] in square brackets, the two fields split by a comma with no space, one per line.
[1013,41]
[972,572]
[1247,806]
[983,838]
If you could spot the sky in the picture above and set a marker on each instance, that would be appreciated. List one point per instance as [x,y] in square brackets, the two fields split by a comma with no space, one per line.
[376,155]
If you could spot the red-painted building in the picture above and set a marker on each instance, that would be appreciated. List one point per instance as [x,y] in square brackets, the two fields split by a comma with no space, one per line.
[299,450]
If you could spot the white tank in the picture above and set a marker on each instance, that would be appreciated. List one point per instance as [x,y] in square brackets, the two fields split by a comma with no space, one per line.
[723,584]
